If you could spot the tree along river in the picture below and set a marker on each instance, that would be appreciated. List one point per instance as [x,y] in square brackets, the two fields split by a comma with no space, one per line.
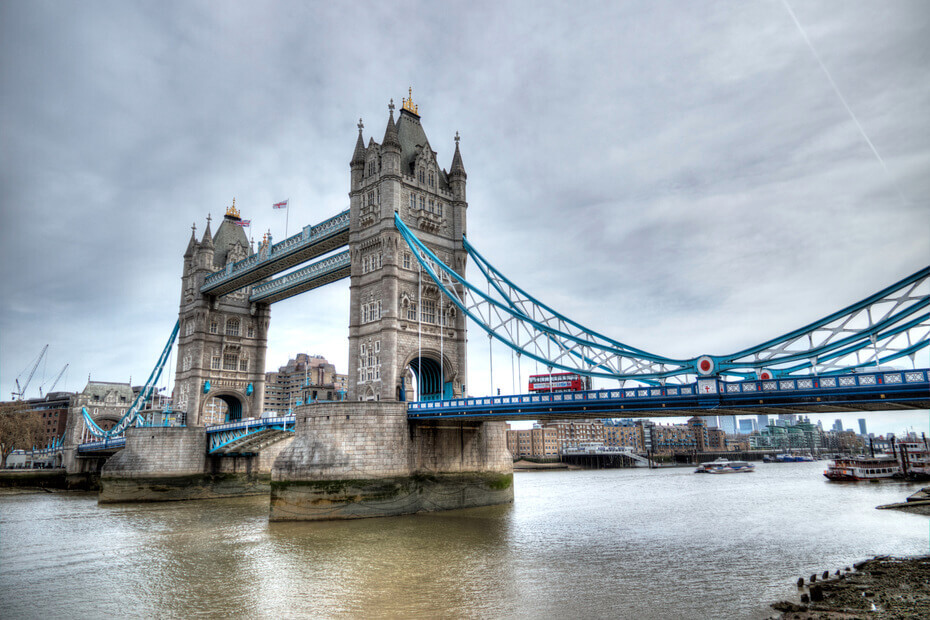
[618,543]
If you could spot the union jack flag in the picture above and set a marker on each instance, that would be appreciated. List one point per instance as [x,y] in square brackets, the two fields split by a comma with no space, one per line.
[280,205]
[244,223]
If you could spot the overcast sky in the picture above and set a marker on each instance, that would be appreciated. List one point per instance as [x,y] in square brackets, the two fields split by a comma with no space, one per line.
[681,176]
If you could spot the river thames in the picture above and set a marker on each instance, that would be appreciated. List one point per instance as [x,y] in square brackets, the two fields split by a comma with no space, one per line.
[619,543]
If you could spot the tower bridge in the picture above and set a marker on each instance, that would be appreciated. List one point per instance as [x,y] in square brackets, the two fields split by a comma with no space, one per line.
[402,245]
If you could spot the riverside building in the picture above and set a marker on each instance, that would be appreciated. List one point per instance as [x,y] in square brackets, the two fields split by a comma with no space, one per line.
[304,379]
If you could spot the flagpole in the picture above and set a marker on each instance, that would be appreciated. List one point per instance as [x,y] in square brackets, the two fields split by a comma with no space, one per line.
[287,215]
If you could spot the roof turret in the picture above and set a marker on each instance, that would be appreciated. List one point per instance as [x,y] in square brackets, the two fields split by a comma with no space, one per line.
[192,244]
[458,168]
[390,132]
[358,157]
[207,240]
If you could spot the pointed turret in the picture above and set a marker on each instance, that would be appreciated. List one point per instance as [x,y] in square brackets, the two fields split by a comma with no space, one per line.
[207,240]
[390,132]
[358,157]
[192,244]
[458,168]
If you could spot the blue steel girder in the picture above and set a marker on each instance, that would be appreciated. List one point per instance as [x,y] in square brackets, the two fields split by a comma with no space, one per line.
[248,436]
[884,327]
[311,242]
[315,275]
[133,415]
[854,392]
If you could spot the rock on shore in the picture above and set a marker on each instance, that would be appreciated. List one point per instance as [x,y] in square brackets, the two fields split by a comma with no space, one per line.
[880,588]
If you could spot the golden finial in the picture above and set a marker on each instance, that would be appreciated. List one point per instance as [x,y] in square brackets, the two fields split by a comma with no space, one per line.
[232,211]
[408,102]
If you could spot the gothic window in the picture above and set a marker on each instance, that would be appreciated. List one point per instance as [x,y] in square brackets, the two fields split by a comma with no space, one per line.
[439,203]
[232,327]
[251,331]
[364,313]
[189,327]
[422,203]
[429,312]
[420,175]
[413,201]
[431,179]
[215,363]
[412,312]
[372,167]
[430,205]
[365,265]
[214,327]
[230,361]
[406,261]
[371,198]
[243,364]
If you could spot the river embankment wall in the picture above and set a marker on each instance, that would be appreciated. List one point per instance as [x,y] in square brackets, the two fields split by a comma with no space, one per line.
[365,459]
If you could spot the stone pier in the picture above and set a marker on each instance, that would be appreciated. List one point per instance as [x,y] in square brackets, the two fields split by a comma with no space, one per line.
[171,463]
[364,459]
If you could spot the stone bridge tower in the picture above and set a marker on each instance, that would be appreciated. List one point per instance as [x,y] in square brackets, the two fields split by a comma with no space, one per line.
[401,326]
[222,340]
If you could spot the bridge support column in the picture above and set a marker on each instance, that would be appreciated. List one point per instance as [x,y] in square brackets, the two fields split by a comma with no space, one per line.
[355,459]
[171,463]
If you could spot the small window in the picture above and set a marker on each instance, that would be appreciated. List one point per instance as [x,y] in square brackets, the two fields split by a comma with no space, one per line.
[243,365]
[413,201]
[214,327]
[230,361]
[232,327]
[215,363]
[251,331]
[420,175]
[406,261]
[422,203]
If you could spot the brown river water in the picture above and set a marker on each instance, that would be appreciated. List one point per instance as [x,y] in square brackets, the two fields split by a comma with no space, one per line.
[622,543]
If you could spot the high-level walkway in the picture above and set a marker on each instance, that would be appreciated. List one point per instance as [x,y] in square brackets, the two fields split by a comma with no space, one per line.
[309,243]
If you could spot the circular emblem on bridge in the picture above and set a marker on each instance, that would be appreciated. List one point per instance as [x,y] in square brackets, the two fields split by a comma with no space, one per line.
[705,365]
[765,375]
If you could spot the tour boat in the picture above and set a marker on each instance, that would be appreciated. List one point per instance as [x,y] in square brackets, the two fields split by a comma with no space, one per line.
[723,466]
[915,459]
[864,468]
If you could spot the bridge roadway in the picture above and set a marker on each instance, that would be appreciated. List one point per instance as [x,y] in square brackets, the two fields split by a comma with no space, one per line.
[311,242]
[878,391]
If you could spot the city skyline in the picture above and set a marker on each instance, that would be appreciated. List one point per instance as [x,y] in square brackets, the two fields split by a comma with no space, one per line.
[687,195]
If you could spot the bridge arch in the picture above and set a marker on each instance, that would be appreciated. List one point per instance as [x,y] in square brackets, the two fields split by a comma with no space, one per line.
[433,374]
[235,406]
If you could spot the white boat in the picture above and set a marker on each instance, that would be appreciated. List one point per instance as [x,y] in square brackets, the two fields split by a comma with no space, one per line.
[723,466]
[864,468]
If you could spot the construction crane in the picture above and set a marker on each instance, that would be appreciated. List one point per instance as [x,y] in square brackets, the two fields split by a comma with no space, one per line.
[55,382]
[21,390]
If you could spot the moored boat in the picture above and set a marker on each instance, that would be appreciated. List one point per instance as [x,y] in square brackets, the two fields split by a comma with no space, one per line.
[723,466]
[863,468]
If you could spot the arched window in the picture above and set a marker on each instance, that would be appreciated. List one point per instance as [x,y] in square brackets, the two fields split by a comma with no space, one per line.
[232,327]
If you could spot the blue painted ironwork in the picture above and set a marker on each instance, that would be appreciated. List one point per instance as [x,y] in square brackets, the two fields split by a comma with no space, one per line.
[317,274]
[133,415]
[878,391]
[107,445]
[311,242]
[887,326]
[248,436]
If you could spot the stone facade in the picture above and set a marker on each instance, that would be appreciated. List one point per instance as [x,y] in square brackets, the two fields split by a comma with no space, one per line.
[304,379]
[351,460]
[222,340]
[400,324]
[106,403]
[171,463]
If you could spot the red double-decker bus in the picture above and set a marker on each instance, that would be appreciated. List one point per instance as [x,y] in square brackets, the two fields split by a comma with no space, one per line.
[559,382]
